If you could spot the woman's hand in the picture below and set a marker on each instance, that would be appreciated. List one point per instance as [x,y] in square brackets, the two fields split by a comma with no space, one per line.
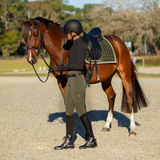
[61,67]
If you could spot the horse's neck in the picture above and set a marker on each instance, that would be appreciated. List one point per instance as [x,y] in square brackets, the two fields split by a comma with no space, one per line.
[53,44]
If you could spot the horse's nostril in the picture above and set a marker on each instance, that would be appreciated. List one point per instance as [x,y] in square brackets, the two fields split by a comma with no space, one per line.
[32,61]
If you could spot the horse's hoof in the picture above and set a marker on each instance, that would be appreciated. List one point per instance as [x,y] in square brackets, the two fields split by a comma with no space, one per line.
[105,129]
[131,134]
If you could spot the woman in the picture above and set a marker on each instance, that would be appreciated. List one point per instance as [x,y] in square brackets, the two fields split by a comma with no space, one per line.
[75,87]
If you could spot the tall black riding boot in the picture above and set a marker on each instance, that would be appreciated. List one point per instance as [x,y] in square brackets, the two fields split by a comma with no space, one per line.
[90,140]
[68,142]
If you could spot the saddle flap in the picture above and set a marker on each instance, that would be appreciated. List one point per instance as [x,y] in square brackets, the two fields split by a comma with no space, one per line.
[92,45]
[96,48]
[87,41]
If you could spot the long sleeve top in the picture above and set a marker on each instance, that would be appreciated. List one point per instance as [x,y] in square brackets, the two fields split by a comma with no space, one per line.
[76,56]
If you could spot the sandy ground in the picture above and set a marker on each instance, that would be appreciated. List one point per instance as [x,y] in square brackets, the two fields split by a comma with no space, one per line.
[32,122]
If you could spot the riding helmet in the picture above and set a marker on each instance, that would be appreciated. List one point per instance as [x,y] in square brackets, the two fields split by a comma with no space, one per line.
[72,25]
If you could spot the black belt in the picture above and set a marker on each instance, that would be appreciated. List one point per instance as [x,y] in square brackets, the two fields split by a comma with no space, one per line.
[73,75]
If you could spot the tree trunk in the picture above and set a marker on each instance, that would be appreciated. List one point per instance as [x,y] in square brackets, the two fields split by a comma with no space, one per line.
[156,49]
[158,54]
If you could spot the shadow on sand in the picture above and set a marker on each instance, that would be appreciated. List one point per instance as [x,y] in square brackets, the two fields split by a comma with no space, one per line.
[94,115]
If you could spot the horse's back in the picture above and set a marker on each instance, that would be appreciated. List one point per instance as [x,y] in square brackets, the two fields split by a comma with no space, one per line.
[123,65]
[118,45]
[121,51]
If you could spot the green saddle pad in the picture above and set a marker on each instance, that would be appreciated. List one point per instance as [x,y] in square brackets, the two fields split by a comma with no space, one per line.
[108,54]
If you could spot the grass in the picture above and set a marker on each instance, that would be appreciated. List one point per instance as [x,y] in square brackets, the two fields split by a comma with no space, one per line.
[22,74]
[148,75]
[45,74]
[20,64]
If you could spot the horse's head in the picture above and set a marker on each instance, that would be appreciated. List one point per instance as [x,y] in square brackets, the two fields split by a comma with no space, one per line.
[32,36]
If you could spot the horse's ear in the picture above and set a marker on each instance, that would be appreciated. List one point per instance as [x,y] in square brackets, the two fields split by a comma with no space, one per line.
[22,22]
[32,22]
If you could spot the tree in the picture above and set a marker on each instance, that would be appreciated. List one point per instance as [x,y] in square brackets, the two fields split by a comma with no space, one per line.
[102,17]
[151,23]
[11,31]
[8,42]
[137,22]
[42,9]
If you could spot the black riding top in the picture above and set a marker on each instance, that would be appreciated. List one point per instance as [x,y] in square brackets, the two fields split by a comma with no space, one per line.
[76,55]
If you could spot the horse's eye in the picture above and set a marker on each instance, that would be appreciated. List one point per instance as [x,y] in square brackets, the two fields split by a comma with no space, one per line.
[24,35]
[36,35]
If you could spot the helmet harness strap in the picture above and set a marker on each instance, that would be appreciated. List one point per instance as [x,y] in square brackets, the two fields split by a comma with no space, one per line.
[73,36]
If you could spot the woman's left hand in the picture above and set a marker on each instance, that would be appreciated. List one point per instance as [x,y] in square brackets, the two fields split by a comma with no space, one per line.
[61,67]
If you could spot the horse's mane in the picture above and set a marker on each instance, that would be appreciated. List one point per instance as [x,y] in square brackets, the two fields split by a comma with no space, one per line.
[46,21]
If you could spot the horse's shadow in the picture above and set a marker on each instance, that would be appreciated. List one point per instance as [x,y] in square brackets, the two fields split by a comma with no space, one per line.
[94,115]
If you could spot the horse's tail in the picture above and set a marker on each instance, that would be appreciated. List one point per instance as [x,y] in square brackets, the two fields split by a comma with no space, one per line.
[138,97]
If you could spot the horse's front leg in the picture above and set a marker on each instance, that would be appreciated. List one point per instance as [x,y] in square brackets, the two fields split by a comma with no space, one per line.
[61,88]
[62,81]
[111,98]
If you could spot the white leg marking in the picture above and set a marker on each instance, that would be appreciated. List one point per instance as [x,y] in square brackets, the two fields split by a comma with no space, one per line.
[109,119]
[132,122]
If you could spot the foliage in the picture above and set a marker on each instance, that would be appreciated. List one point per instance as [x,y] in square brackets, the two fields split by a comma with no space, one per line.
[137,22]
[8,41]
[10,29]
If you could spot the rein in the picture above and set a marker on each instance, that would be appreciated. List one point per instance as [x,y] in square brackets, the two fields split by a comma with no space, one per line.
[51,69]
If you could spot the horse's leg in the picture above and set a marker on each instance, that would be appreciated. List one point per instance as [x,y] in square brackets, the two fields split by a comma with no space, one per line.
[127,83]
[128,89]
[61,88]
[132,124]
[107,87]
[62,81]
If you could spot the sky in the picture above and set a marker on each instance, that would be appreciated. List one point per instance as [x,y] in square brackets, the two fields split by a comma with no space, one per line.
[80,3]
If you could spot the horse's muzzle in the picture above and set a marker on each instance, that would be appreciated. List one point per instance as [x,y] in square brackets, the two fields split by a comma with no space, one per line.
[32,60]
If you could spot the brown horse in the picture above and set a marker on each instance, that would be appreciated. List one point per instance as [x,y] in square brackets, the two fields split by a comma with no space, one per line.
[40,32]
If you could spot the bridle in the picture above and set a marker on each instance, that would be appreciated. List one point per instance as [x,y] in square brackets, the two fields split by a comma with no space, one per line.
[51,69]
[39,45]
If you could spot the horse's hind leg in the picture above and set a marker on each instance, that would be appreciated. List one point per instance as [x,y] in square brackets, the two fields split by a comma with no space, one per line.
[107,87]
[129,92]
[127,105]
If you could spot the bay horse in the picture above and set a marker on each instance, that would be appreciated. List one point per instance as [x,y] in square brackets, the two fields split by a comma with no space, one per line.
[41,32]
